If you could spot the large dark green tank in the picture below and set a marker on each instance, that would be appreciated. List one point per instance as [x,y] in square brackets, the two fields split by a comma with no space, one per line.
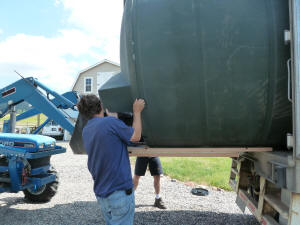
[213,73]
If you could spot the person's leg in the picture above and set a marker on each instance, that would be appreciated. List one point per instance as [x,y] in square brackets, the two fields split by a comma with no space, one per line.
[156,171]
[136,179]
[139,170]
[157,185]
[118,208]
[106,213]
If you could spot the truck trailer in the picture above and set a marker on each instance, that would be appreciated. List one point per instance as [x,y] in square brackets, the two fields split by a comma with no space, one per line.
[220,78]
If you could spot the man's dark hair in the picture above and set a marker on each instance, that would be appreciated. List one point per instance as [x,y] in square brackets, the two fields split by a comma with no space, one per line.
[89,106]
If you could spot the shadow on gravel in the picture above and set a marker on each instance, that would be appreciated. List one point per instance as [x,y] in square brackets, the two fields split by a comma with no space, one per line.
[12,212]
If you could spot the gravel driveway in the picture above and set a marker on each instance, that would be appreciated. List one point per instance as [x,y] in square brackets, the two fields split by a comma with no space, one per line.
[75,202]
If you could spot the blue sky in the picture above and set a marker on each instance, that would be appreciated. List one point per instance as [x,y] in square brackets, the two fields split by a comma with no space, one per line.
[53,40]
[36,17]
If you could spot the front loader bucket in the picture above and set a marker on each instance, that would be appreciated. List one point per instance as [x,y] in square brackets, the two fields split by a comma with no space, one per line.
[76,142]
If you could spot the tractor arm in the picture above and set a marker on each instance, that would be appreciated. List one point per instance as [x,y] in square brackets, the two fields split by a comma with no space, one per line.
[31,91]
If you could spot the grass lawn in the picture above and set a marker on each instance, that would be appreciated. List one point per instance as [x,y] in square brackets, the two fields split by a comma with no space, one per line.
[31,121]
[210,171]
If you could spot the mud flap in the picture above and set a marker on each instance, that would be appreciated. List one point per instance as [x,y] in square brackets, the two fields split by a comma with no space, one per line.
[240,203]
[76,142]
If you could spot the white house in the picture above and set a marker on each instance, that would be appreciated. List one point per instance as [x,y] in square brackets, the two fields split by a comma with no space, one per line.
[89,80]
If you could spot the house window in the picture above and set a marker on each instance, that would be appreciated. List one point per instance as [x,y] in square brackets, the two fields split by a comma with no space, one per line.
[88,83]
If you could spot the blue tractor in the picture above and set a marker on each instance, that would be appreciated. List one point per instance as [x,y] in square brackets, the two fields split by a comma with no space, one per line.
[25,158]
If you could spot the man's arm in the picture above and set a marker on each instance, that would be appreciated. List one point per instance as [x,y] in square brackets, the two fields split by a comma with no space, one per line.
[138,107]
[113,114]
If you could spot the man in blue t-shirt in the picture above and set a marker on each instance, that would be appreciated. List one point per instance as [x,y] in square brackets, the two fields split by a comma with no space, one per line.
[105,140]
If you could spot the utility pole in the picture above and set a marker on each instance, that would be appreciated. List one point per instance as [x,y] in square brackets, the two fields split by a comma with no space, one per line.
[13,119]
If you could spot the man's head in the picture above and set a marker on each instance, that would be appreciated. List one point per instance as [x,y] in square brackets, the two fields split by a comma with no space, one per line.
[89,106]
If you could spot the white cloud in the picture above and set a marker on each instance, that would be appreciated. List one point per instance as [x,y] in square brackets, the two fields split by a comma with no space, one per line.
[98,16]
[1,31]
[56,2]
[45,58]
[98,24]
[100,19]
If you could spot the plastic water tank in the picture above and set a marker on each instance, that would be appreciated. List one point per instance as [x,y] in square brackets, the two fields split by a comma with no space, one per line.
[213,73]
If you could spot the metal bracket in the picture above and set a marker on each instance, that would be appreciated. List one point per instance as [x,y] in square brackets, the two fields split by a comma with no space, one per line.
[290,141]
[246,156]
[289,80]
[287,37]
[278,174]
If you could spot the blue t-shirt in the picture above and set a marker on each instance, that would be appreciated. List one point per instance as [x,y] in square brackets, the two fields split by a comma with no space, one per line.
[105,140]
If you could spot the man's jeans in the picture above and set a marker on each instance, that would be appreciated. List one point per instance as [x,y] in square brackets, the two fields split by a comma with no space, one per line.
[118,208]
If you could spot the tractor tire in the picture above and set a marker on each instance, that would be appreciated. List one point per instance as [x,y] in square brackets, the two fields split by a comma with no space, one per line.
[45,193]
[39,162]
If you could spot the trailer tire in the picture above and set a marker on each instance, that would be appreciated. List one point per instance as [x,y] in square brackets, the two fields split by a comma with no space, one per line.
[45,192]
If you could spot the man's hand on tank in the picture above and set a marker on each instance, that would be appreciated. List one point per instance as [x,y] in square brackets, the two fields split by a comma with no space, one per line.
[114,114]
[138,105]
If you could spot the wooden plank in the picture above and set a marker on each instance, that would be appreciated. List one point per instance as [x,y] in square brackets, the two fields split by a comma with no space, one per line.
[238,166]
[261,197]
[235,171]
[251,205]
[268,220]
[277,204]
[235,160]
[191,152]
